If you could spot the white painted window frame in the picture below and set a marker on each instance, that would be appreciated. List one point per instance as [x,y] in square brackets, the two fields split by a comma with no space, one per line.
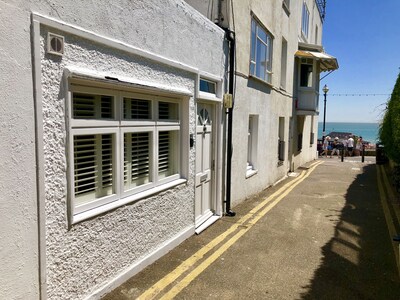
[284,56]
[310,62]
[305,20]
[268,43]
[252,143]
[118,127]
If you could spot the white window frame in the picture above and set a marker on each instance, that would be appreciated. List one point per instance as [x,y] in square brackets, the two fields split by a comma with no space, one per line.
[252,144]
[281,139]
[260,36]
[312,134]
[284,55]
[118,126]
[305,20]
[311,78]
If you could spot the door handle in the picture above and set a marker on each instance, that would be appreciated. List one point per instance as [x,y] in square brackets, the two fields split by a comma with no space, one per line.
[203,178]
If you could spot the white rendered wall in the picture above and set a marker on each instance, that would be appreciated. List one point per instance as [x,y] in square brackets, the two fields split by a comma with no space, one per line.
[268,100]
[254,96]
[18,205]
[88,255]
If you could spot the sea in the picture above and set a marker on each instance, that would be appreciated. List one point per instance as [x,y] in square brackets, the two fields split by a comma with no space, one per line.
[368,131]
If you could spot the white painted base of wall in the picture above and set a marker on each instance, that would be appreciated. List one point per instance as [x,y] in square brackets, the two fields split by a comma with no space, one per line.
[207,223]
[141,264]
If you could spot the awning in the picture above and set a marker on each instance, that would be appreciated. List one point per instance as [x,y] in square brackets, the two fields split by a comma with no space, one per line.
[328,62]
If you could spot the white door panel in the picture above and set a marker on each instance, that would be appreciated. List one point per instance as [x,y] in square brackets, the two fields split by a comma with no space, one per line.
[204,158]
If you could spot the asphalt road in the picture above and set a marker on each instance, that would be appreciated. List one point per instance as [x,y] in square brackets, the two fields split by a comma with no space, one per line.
[323,233]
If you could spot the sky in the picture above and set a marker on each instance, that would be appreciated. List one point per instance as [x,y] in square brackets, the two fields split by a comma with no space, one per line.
[364,35]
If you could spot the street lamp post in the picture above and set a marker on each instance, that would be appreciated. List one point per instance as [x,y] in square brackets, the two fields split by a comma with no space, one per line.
[325,89]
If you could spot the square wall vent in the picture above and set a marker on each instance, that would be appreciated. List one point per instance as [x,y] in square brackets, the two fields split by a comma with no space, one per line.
[55,44]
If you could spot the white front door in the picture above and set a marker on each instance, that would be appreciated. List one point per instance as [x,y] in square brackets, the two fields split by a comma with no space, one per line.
[204,207]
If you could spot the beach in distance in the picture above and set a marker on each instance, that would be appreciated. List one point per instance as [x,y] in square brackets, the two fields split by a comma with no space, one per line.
[368,131]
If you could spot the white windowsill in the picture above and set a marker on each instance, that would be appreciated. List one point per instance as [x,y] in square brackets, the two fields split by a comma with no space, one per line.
[250,173]
[261,80]
[123,201]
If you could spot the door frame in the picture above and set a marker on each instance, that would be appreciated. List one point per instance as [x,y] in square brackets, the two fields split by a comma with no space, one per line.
[217,151]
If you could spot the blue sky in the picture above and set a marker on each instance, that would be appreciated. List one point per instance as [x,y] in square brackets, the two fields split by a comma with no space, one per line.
[364,35]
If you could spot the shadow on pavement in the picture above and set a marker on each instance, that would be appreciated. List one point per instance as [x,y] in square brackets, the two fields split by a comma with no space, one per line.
[358,263]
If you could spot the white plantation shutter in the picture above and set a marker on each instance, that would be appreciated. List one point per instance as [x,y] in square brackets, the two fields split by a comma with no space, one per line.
[93,167]
[85,164]
[106,107]
[168,153]
[86,106]
[136,159]
[168,111]
[163,152]
[106,164]
[137,109]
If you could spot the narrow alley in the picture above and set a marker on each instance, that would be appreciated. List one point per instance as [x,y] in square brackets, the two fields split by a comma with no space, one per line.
[320,234]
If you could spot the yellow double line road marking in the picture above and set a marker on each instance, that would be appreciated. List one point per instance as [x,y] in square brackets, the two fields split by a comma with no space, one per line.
[383,183]
[252,217]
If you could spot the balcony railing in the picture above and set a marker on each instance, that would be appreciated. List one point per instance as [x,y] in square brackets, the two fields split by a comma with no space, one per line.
[321,4]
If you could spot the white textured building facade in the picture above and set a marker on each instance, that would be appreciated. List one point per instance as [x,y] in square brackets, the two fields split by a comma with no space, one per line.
[108,113]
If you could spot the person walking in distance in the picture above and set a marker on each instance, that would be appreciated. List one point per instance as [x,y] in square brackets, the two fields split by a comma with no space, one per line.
[325,146]
[335,148]
[345,145]
[350,145]
[359,145]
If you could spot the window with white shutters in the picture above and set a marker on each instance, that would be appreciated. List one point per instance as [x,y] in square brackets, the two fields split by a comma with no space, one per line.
[121,145]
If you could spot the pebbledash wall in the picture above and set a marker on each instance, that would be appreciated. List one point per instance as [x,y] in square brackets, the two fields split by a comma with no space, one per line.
[157,48]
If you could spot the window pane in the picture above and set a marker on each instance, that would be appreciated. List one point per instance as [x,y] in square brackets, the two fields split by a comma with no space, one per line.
[207,86]
[249,133]
[136,159]
[168,111]
[168,153]
[261,52]
[253,41]
[261,59]
[87,106]
[262,35]
[93,167]
[137,109]
[305,20]
[306,75]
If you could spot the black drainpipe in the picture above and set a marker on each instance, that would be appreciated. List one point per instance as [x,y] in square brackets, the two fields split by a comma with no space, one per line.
[229,149]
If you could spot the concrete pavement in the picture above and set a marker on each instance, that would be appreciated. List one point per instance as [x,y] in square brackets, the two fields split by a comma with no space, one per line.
[325,232]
